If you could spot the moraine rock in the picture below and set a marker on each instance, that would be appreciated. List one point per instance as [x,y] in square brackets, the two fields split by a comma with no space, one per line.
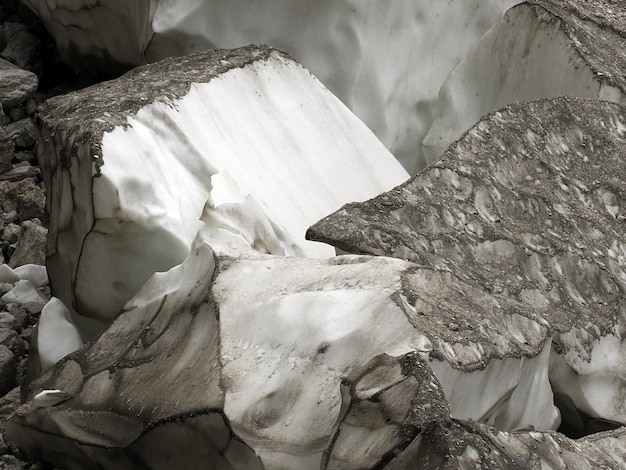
[16,85]
[8,365]
[385,61]
[540,48]
[521,222]
[7,147]
[31,246]
[128,165]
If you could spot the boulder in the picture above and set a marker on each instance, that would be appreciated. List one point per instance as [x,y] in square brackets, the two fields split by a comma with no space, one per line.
[16,85]
[521,220]
[385,61]
[8,365]
[538,49]
[31,246]
[128,165]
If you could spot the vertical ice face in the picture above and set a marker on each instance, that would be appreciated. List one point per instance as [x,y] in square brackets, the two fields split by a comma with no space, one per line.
[130,163]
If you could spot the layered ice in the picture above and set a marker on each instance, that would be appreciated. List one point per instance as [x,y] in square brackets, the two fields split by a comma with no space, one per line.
[164,138]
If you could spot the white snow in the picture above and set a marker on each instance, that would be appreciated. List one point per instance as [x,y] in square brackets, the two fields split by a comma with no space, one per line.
[269,130]
[56,336]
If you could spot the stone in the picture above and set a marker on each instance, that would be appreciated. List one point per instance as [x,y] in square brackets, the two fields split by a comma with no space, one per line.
[24,197]
[16,85]
[385,61]
[11,233]
[122,221]
[31,247]
[525,211]
[538,49]
[22,48]
[17,114]
[23,133]
[7,149]
[8,366]
[12,340]
[19,173]
[8,321]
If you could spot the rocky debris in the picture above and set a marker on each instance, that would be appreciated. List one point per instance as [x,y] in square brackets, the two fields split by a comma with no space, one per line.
[8,368]
[524,212]
[124,220]
[385,61]
[16,85]
[540,48]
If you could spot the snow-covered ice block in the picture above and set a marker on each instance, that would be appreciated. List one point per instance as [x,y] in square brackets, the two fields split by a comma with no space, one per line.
[538,49]
[306,363]
[130,163]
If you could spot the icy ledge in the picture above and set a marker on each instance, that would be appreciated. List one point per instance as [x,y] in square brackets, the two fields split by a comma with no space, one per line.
[130,163]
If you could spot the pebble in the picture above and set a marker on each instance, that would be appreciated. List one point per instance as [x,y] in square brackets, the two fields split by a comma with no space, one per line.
[7,148]
[12,340]
[8,367]
[31,247]
[23,133]
[16,85]
[7,320]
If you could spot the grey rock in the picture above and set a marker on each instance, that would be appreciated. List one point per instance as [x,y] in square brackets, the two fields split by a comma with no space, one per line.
[8,367]
[23,133]
[11,233]
[22,48]
[3,39]
[12,340]
[19,173]
[31,106]
[16,85]
[23,198]
[7,149]
[17,113]
[8,321]
[31,247]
